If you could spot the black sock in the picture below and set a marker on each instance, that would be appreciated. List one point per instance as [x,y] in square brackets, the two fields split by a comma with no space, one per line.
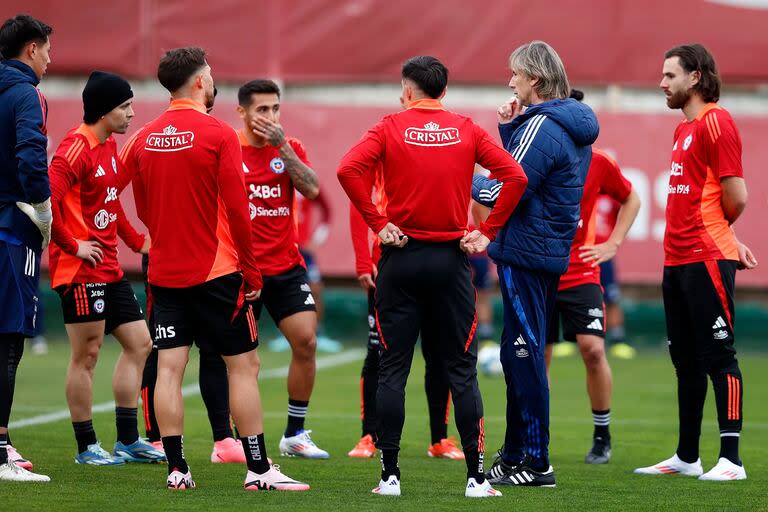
[3,446]
[691,393]
[602,421]
[84,434]
[297,411]
[729,399]
[125,420]
[729,447]
[389,464]
[174,451]
[214,388]
[255,453]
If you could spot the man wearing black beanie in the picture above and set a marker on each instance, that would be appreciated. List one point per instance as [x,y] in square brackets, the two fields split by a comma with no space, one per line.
[86,178]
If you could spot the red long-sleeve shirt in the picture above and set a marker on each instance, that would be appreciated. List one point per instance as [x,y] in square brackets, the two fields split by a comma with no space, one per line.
[366,247]
[428,156]
[190,192]
[86,178]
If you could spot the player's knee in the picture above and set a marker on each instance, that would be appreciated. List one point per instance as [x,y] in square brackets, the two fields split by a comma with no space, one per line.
[305,347]
[593,355]
[88,357]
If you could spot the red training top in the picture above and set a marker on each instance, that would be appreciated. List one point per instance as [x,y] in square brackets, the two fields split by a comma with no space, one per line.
[607,212]
[428,156]
[603,177]
[272,206]
[86,178]
[365,243]
[705,151]
[189,188]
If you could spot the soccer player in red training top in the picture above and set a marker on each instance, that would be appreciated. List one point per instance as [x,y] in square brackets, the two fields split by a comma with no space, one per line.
[424,284]
[367,256]
[190,193]
[706,195]
[86,178]
[275,167]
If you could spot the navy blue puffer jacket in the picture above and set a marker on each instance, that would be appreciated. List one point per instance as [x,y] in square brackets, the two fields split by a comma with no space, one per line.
[552,141]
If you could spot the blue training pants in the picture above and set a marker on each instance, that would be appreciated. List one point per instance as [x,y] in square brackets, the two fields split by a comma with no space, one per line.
[529,300]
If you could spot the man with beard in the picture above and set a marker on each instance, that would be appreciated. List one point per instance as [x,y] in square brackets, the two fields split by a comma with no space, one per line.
[190,193]
[706,195]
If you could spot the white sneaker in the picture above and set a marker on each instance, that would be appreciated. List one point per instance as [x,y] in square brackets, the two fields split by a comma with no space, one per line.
[724,471]
[272,480]
[178,481]
[301,445]
[672,466]
[13,473]
[389,488]
[483,490]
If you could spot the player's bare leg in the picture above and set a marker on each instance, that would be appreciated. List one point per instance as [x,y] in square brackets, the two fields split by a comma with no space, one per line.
[599,388]
[85,340]
[245,404]
[169,409]
[126,380]
[300,330]
[126,383]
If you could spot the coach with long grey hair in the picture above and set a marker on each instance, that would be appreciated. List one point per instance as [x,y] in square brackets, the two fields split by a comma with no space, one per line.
[550,135]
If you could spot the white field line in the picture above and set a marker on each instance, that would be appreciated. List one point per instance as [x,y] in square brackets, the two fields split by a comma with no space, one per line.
[331,361]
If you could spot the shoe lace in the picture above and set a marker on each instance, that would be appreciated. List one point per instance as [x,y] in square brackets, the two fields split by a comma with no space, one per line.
[305,436]
[98,450]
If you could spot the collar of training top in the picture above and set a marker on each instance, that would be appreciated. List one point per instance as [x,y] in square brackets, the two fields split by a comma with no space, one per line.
[87,132]
[186,103]
[429,104]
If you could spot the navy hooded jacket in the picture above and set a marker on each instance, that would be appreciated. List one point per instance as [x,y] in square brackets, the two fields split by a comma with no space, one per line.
[552,141]
[23,151]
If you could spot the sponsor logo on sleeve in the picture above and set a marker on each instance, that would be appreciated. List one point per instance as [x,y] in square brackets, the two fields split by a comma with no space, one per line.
[432,135]
[169,140]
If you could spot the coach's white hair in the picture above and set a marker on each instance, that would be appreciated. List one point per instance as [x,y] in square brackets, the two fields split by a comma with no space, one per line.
[539,60]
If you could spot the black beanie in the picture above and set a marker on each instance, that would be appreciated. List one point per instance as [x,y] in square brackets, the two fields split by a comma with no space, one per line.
[103,92]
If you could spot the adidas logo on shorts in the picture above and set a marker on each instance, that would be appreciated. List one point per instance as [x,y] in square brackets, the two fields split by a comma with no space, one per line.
[596,325]
[596,312]
[719,323]
[310,300]
[519,341]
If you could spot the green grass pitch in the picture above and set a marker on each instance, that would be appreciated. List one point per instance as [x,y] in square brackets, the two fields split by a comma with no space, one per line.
[644,431]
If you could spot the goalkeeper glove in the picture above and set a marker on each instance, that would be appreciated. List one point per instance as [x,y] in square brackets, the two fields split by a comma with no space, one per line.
[41,215]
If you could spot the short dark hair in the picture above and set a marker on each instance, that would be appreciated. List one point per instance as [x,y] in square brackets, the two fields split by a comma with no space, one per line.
[695,57]
[19,31]
[256,87]
[428,73]
[178,65]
